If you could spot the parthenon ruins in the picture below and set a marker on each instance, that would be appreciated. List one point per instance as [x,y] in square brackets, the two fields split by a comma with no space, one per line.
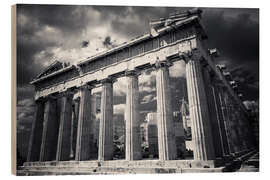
[62,137]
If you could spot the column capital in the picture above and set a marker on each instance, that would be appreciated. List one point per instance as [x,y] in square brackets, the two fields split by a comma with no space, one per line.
[191,55]
[40,100]
[86,87]
[108,80]
[132,73]
[50,97]
[161,64]
[68,93]
[186,55]
[77,99]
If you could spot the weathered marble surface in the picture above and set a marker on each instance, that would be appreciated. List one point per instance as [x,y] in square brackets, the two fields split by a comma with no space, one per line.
[133,139]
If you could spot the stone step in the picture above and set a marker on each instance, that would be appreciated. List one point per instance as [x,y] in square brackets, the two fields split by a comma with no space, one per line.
[132,167]
[236,164]
[107,170]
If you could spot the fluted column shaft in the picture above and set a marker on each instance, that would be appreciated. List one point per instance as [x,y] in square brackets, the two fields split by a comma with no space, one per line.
[166,134]
[36,133]
[74,126]
[237,127]
[199,114]
[50,131]
[93,115]
[105,150]
[71,155]
[64,133]
[221,121]
[231,123]
[133,140]
[85,132]
[225,120]
[213,114]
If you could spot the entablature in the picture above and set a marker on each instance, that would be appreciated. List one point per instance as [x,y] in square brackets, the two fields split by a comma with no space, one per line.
[172,52]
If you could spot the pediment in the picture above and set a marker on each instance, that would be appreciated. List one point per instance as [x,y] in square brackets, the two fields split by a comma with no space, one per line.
[55,66]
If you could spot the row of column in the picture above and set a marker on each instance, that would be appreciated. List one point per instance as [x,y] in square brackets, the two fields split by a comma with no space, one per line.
[53,128]
[219,127]
[208,113]
[85,140]
[229,124]
[48,133]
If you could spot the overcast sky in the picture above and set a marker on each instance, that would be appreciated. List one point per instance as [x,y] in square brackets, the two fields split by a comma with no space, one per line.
[73,33]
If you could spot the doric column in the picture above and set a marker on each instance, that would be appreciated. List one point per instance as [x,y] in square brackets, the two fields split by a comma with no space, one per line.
[74,126]
[243,128]
[199,113]
[36,133]
[221,120]
[105,148]
[231,123]
[64,133]
[93,114]
[166,134]
[237,125]
[213,114]
[85,133]
[225,119]
[50,131]
[133,140]
[71,154]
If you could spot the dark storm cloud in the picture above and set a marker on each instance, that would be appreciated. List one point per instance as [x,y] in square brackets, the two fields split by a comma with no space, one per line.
[27,68]
[25,114]
[133,20]
[25,92]
[235,32]
[69,19]
[32,19]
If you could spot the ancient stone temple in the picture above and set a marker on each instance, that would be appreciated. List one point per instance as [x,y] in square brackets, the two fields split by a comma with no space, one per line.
[63,133]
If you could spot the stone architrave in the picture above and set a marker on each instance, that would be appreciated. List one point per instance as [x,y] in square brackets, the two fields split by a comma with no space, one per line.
[133,140]
[105,148]
[36,133]
[50,131]
[85,132]
[198,107]
[64,133]
[166,134]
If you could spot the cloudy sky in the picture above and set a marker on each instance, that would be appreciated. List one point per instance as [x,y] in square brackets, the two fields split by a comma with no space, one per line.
[73,33]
